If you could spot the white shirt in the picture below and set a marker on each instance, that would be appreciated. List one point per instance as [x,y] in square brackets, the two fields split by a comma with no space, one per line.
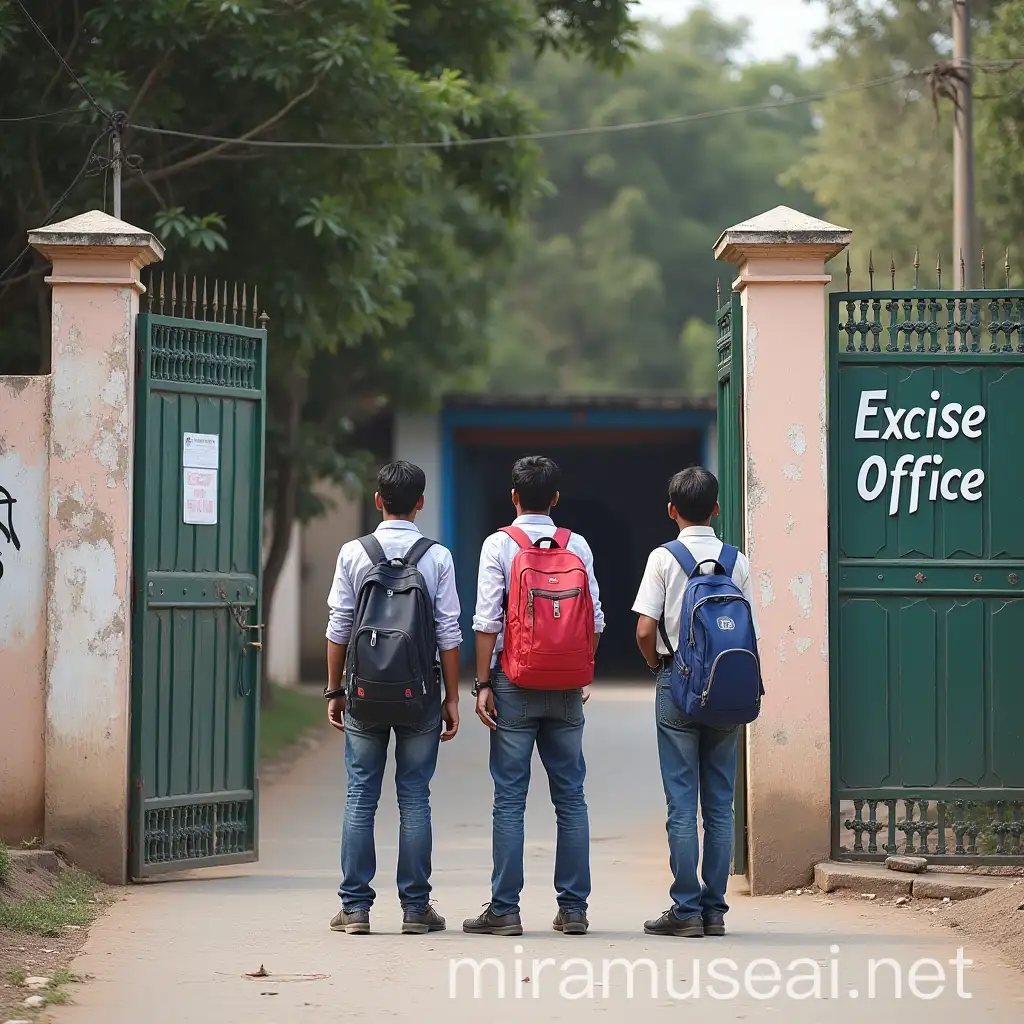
[396,537]
[495,574]
[661,589]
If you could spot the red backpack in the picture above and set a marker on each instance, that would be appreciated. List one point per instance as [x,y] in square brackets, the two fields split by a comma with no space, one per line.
[549,623]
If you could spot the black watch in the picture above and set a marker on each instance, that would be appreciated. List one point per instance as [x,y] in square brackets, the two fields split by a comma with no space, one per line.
[479,685]
[331,694]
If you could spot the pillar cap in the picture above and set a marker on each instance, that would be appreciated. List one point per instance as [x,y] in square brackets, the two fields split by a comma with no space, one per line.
[89,234]
[795,234]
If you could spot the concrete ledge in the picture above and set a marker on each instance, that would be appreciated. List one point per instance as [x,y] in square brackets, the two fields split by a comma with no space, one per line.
[861,878]
[880,881]
[36,860]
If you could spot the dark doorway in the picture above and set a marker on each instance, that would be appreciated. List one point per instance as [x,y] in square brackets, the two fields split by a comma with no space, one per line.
[614,493]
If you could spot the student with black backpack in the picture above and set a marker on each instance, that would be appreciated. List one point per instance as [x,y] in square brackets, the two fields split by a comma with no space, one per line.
[698,634]
[394,613]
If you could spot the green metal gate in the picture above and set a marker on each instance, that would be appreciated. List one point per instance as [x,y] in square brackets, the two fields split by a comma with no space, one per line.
[730,521]
[926,393]
[196,589]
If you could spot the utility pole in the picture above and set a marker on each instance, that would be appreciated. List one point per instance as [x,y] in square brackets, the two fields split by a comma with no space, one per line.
[964,224]
[118,126]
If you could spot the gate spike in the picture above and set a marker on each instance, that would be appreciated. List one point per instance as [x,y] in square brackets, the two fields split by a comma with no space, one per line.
[216,306]
[224,305]
[892,271]
[263,320]
[255,302]
[917,268]
[963,272]
[983,285]
[174,293]
[234,304]
[162,276]
[871,270]
[204,298]
[243,304]
[718,295]
[192,311]
[149,293]
[938,271]
[848,270]
[1006,266]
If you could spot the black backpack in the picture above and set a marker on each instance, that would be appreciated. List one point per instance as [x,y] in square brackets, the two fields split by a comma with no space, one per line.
[393,672]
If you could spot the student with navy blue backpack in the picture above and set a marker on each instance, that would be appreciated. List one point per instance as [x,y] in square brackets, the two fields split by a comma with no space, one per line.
[698,634]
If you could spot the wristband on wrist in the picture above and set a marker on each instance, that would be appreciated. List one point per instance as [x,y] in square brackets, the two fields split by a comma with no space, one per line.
[480,684]
[331,694]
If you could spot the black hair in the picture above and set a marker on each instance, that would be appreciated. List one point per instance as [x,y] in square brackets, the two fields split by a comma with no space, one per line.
[537,479]
[694,493]
[400,486]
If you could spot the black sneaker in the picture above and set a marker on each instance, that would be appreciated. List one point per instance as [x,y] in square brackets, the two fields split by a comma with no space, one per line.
[354,922]
[571,922]
[419,922]
[489,923]
[679,927]
[714,923]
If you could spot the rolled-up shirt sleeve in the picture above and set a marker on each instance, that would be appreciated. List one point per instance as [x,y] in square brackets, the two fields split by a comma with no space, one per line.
[490,588]
[341,603]
[595,591]
[447,608]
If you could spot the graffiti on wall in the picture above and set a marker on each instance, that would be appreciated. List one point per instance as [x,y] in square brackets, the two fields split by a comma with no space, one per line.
[7,530]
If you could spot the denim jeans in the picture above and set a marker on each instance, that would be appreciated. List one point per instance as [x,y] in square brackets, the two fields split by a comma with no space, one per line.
[696,759]
[553,720]
[366,753]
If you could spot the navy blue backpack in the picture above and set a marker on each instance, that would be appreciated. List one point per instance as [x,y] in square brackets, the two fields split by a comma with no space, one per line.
[716,670]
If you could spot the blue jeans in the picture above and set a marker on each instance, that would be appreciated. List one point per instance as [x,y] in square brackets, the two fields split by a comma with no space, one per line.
[696,758]
[553,720]
[366,753]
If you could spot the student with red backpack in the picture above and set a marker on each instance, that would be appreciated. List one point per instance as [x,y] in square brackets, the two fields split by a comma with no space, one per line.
[537,623]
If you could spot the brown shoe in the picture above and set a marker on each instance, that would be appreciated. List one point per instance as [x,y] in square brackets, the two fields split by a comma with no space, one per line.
[351,922]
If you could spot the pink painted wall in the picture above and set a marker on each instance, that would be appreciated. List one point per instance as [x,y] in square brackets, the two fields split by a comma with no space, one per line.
[24,439]
[787,541]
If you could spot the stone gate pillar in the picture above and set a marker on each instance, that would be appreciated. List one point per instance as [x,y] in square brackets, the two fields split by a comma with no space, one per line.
[95,278]
[781,258]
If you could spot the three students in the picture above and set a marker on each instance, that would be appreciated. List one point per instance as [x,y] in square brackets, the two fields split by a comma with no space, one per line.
[393,639]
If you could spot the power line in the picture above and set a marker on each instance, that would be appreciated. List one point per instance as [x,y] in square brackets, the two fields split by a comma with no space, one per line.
[60,57]
[38,117]
[56,208]
[790,101]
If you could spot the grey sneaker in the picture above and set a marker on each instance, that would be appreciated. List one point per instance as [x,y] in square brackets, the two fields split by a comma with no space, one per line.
[571,922]
[352,922]
[714,923]
[489,923]
[679,927]
[419,922]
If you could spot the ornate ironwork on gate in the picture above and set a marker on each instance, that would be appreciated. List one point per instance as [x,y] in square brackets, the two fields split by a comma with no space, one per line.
[926,483]
[196,593]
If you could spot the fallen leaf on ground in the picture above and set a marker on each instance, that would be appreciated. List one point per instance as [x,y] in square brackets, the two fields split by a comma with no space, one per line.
[261,973]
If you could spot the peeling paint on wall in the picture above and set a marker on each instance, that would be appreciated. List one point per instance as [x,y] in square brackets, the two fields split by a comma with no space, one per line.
[801,588]
[792,472]
[750,346]
[797,440]
[790,525]
[764,578]
[803,644]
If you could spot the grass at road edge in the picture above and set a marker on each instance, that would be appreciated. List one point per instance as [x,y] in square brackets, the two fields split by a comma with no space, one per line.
[293,713]
[70,902]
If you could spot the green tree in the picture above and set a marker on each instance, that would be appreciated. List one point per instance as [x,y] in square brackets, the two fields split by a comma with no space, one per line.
[378,266]
[882,161]
[617,268]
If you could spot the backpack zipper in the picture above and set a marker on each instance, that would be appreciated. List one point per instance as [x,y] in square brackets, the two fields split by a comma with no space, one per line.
[373,638]
[707,600]
[711,675]
[553,595]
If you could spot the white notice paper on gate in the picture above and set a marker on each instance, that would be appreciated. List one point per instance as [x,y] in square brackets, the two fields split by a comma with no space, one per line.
[200,497]
[200,451]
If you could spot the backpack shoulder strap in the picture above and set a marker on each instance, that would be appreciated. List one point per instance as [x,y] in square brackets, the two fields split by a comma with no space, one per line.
[373,549]
[681,553]
[518,535]
[561,537]
[727,559]
[418,550]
